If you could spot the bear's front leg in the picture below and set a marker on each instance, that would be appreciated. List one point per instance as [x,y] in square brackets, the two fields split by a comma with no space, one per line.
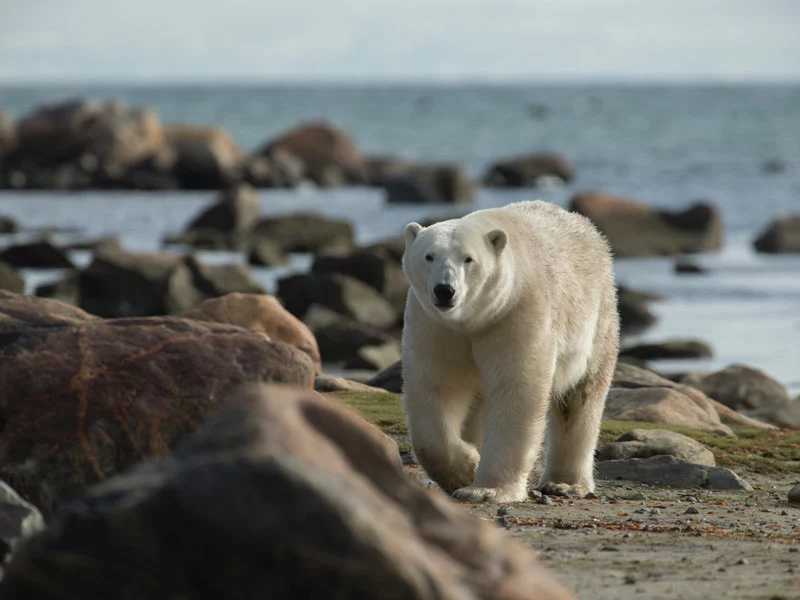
[516,391]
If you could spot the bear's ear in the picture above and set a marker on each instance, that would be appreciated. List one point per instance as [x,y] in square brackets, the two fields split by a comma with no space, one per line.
[412,231]
[499,239]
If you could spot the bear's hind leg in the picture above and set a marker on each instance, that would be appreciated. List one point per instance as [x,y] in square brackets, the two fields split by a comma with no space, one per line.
[573,426]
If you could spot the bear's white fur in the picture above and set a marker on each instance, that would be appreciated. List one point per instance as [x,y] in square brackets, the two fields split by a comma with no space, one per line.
[528,340]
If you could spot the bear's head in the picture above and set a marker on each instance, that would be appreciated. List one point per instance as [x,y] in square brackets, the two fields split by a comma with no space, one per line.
[453,268]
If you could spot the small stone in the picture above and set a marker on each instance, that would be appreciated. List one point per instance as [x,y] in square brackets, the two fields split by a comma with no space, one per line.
[784,513]
[691,511]
[722,569]
[638,496]
[742,561]
[502,522]
[794,549]
[545,500]
[630,579]
[655,511]
[691,499]
[794,494]
[609,549]
[534,494]
[503,510]
[591,496]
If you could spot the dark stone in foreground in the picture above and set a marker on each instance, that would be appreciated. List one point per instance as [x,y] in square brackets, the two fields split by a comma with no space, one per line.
[782,236]
[390,379]
[672,472]
[526,171]
[18,520]
[36,255]
[671,349]
[282,495]
[83,398]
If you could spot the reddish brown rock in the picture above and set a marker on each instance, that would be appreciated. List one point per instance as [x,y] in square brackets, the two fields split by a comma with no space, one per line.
[305,232]
[205,157]
[633,229]
[321,146]
[83,398]
[263,313]
[281,495]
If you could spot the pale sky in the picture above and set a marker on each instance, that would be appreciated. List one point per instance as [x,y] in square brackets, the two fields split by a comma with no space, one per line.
[399,40]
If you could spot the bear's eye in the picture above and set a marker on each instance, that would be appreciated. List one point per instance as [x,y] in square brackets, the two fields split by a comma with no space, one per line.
[429,257]
[468,260]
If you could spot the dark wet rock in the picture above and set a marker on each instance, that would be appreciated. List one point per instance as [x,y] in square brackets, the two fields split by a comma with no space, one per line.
[340,337]
[670,471]
[205,157]
[672,349]
[101,395]
[528,170]
[380,169]
[264,253]
[67,289]
[644,443]
[685,267]
[374,358]
[18,520]
[10,280]
[306,232]
[102,244]
[374,267]
[635,230]
[217,280]
[634,310]
[262,313]
[282,495]
[329,155]
[8,225]
[782,236]
[36,255]
[430,184]
[342,294]
[234,212]
[390,379]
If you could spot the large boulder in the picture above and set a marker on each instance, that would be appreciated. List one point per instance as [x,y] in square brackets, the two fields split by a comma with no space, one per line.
[640,395]
[83,398]
[262,313]
[281,495]
[87,141]
[204,157]
[430,184]
[644,443]
[341,293]
[390,379]
[305,232]
[328,153]
[749,390]
[635,230]
[781,236]
[234,213]
[36,255]
[528,170]
[10,280]
[374,267]
[339,337]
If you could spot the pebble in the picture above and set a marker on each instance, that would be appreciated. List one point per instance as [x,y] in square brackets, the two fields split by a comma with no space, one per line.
[630,578]
[794,549]
[640,511]
[784,513]
[591,496]
[655,511]
[794,494]
[691,499]
[691,511]
[742,561]
[640,496]
[502,522]
[545,500]
[503,510]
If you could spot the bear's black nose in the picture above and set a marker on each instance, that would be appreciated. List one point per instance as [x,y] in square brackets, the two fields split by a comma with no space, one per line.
[444,292]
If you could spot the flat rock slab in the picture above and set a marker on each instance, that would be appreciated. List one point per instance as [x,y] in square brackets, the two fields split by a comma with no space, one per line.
[672,472]
[644,443]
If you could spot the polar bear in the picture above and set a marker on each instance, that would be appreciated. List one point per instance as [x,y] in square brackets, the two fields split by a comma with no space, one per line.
[511,327]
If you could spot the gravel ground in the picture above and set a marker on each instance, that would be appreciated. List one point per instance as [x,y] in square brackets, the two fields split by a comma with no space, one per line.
[639,541]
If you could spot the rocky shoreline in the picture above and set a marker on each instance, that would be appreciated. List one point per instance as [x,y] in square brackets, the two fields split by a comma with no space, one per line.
[163,415]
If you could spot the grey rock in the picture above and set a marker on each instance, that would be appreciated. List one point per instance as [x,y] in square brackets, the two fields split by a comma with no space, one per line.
[18,520]
[794,494]
[644,443]
[671,472]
